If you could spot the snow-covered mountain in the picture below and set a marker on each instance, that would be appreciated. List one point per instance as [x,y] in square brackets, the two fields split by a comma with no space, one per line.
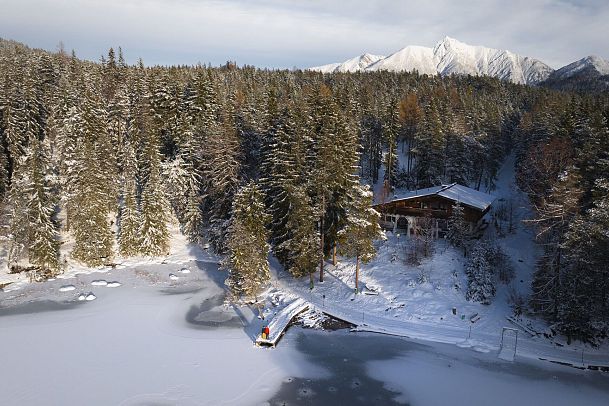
[450,56]
[408,59]
[590,74]
[455,57]
[356,64]
[590,63]
[329,68]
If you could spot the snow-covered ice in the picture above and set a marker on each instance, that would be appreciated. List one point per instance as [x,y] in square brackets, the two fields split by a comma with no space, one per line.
[67,288]
[150,345]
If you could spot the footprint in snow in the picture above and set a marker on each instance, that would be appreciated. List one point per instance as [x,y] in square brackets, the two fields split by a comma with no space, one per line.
[67,288]
[99,283]
[184,270]
[173,277]
[114,284]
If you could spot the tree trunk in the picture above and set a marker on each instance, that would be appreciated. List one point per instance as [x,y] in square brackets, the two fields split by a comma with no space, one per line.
[357,273]
[557,282]
[410,154]
[321,238]
[334,255]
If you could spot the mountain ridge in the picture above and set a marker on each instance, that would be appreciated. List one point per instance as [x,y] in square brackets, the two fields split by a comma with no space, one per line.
[450,56]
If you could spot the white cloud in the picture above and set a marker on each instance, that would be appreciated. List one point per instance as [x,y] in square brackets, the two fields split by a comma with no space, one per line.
[274,33]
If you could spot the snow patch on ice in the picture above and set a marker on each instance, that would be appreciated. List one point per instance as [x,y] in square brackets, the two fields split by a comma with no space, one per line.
[99,283]
[67,288]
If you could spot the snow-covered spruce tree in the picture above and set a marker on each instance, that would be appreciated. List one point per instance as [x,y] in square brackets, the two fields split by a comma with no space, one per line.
[155,208]
[33,233]
[283,172]
[221,179]
[361,229]
[3,164]
[43,249]
[247,244]
[192,225]
[20,126]
[19,221]
[300,245]
[183,172]
[480,277]
[334,159]
[91,189]
[391,133]
[583,310]
[23,115]
[190,139]
[554,214]
[457,158]
[295,239]
[430,146]
[458,228]
[129,239]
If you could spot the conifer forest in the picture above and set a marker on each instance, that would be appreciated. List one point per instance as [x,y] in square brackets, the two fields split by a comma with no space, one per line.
[106,157]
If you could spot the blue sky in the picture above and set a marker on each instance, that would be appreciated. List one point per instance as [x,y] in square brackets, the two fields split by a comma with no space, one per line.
[302,33]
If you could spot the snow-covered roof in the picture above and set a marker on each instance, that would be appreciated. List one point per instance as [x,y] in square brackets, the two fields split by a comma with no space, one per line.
[455,192]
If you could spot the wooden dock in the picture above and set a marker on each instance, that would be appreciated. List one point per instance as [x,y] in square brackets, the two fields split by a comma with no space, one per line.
[281,321]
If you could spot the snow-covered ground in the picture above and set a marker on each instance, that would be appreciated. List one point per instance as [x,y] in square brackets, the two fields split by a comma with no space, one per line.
[417,301]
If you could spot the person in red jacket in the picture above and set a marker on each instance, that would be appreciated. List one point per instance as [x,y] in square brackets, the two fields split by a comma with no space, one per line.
[267,331]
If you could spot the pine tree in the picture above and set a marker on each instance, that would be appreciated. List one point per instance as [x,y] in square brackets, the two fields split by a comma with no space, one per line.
[129,239]
[153,232]
[19,224]
[458,228]
[429,151]
[584,304]
[333,169]
[44,239]
[247,244]
[33,232]
[222,168]
[4,176]
[300,246]
[361,229]
[554,214]
[391,132]
[93,190]
[480,277]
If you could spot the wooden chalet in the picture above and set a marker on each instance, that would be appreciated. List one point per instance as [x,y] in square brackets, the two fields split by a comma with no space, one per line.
[404,212]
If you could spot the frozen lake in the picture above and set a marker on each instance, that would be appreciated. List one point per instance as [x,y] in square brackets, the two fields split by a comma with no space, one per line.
[176,344]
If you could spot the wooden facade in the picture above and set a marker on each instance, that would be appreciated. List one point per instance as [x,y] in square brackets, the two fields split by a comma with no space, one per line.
[404,214]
